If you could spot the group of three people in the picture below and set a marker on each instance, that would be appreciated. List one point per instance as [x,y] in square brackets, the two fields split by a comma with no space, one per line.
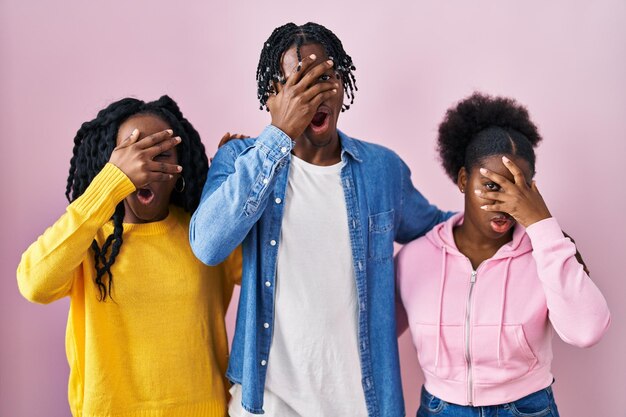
[305,217]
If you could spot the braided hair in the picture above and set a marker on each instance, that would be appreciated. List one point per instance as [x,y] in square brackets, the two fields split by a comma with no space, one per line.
[284,37]
[93,145]
[480,126]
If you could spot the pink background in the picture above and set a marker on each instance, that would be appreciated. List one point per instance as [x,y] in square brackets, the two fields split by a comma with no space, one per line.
[62,61]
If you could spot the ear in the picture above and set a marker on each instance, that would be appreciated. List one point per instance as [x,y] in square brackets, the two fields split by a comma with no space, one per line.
[461,179]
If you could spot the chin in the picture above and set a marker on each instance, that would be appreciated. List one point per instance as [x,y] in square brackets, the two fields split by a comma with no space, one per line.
[323,139]
[149,214]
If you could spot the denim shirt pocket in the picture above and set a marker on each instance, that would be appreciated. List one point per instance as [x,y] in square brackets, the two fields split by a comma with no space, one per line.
[381,235]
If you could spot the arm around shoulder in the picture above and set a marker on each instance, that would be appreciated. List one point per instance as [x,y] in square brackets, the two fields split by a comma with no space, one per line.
[417,215]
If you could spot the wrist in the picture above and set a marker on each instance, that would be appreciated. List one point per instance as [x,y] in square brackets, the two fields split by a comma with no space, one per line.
[536,219]
[289,132]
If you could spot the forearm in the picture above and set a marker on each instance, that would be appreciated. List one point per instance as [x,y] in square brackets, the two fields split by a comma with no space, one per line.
[577,309]
[417,215]
[236,194]
[46,270]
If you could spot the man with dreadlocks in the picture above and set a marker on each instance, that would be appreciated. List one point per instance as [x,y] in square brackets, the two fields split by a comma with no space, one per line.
[317,212]
[145,332]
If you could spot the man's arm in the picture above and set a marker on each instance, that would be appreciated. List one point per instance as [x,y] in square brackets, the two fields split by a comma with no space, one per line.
[235,195]
[417,215]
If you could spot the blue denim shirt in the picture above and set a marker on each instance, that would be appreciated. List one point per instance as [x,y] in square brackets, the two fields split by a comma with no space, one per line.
[242,201]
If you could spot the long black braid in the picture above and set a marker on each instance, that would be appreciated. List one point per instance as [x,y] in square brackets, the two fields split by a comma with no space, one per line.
[93,145]
[284,37]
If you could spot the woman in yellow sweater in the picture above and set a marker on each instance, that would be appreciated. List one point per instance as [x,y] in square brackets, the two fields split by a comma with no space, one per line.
[145,333]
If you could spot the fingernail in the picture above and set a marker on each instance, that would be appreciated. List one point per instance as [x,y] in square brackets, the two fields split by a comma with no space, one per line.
[179,168]
[483,207]
[329,63]
[334,90]
[477,192]
[171,176]
[505,159]
[135,132]
[483,171]
[170,131]
[177,139]
[312,56]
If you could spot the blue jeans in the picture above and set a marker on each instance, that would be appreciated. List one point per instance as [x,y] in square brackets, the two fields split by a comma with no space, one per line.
[537,404]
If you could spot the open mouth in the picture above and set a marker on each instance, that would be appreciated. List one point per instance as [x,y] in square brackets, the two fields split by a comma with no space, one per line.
[501,223]
[145,196]
[321,121]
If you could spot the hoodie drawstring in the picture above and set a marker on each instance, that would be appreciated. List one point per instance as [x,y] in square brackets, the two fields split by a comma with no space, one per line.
[503,298]
[444,254]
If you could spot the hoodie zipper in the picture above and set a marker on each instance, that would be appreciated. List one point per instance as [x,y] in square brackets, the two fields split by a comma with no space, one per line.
[468,355]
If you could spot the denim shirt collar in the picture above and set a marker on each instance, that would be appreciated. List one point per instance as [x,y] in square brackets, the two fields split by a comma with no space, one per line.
[348,146]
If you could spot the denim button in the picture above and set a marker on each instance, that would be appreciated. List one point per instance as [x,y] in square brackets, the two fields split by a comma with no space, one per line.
[263,362]
[283,149]
[278,201]
[273,242]
[265,180]
[266,325]
[268,284]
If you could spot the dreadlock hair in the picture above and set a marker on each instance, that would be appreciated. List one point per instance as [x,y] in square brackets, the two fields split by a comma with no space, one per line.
[480,126]
[284,37]
[93,145]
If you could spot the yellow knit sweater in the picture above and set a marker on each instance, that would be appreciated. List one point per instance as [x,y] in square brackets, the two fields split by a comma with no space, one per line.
[159,348]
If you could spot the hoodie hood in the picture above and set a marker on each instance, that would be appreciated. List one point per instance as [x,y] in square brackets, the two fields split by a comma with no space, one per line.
[442,237]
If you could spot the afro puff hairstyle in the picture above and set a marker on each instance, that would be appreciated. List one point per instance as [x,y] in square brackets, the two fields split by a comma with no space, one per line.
[480,126]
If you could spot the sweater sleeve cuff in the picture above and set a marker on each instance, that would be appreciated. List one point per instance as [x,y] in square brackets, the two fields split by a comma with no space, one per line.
[544,232]
[105,192]
[275,143]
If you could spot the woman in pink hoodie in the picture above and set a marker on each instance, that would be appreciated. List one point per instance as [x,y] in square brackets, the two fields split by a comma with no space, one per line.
[485,290]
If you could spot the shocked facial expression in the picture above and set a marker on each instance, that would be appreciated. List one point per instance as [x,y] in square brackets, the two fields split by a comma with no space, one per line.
[492,225]
[150,203]
[323,128]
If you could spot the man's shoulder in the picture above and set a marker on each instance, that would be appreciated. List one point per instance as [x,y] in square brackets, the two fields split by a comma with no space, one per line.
[374,153]
[235,147]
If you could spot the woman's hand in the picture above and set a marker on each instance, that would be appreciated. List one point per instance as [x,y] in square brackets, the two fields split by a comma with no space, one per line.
[295,104]
[134,157]
[518,199]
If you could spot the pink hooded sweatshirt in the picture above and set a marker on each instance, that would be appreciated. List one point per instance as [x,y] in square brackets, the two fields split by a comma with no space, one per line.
[484,337]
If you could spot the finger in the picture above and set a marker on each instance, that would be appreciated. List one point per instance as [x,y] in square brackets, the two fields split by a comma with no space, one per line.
[224,139]
[320,98]
[492,195]
[493,207]
[162,146]
[300,68]
[518,175]
[240,136]
[504,183]
[316,72]
[533,186]
[164,167]
[154,139]
[318,88]
[158,177]
[270,101]
[130,139]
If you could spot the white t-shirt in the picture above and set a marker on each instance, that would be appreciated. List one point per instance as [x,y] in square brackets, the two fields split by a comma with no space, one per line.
[313,366]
